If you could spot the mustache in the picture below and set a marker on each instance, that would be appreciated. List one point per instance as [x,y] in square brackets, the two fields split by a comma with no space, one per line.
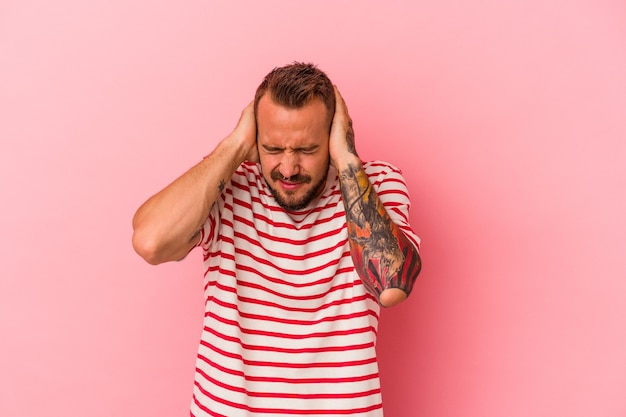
[298,178]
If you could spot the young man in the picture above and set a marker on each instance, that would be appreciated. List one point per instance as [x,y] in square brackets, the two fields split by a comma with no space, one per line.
[302,244]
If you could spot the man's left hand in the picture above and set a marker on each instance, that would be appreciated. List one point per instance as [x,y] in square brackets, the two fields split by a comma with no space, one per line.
[341,145]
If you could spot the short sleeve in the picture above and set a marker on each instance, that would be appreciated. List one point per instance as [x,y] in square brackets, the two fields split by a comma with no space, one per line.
[209,230]
[392,191]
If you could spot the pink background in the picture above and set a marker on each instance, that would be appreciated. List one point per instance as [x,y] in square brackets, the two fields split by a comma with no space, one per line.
[507,118]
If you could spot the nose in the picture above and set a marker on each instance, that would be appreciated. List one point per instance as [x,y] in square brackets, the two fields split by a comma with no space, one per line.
[289,165]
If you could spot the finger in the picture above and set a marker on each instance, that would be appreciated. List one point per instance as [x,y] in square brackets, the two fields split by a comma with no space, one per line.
[249,107]
[340,105]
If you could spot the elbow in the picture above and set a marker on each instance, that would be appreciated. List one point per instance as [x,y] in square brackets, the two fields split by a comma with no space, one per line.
[400,290]
[391,297]
[147,248]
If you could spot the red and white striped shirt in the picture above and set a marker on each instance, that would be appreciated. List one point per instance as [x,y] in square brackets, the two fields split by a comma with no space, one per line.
[289,329]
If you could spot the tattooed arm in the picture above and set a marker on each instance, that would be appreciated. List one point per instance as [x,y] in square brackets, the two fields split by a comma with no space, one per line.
[168,225]
[387,262]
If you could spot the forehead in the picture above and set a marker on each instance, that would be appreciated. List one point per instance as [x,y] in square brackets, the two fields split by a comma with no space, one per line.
[276,123]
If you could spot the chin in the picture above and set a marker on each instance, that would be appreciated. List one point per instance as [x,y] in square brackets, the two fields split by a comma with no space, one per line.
[292,204]
[301,199]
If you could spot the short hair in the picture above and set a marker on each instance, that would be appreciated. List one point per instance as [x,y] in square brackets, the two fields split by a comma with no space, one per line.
[295,85]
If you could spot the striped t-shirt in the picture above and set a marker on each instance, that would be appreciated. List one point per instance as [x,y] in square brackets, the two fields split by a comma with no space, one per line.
[289,329]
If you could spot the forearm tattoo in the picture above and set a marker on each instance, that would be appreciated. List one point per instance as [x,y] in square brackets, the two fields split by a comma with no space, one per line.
[350,139]
[383,256]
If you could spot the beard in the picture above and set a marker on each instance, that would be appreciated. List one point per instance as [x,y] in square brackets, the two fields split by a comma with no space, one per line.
[302,202]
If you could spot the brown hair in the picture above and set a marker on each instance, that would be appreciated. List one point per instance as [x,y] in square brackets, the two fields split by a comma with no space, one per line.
[295,85]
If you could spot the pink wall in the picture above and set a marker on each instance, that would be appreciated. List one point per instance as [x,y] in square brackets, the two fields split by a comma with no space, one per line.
[509,121]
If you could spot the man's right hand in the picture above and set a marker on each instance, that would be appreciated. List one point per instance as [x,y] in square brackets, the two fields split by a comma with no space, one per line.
[245,134]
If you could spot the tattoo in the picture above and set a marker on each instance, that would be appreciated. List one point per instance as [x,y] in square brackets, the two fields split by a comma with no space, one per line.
[350,139]
[383,256]
[222,185]
[195,235]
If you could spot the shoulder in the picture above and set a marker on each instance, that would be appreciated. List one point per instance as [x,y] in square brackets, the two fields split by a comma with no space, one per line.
[247,176]
[248,170]
[380,168]
[379,171]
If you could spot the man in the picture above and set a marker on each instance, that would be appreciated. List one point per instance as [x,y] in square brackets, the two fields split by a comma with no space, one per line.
[302,243]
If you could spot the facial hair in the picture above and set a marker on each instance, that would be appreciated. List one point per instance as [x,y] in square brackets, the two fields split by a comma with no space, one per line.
[305,200]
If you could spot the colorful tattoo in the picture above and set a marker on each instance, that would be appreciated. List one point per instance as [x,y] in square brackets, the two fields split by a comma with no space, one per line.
[383,256]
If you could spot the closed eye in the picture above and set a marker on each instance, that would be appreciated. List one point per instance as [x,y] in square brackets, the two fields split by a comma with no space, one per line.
[272,150]
[308,151]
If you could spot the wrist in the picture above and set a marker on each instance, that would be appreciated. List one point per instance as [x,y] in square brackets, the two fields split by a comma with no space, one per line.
[240,146]
[348,162]
[232,149]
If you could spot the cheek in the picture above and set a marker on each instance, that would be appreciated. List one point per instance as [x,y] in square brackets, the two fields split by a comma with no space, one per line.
[317,166]
[268,164]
